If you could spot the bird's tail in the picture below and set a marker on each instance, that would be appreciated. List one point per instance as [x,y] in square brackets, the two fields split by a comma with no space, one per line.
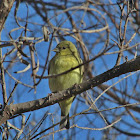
[64,123]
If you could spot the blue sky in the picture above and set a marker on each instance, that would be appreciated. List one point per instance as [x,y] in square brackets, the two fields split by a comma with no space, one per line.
[22,94]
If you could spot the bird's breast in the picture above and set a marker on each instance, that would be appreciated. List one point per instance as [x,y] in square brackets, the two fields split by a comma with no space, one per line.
[64,63]
[67,80]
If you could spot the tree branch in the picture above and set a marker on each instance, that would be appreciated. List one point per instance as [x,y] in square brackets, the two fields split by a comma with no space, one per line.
[16,109]
[5,7]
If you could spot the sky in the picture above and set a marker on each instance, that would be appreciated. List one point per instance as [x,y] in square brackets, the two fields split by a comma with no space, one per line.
[22,94]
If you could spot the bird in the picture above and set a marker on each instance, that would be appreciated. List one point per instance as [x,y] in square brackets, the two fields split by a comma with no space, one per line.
[66,57]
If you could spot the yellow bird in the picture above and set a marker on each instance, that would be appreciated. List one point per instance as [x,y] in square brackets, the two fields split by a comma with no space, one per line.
[66,57]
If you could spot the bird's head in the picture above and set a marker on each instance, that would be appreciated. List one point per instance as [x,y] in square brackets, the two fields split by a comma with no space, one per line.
[65,48]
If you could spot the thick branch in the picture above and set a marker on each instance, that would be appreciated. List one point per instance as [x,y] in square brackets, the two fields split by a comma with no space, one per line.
[5,7]
[16,109]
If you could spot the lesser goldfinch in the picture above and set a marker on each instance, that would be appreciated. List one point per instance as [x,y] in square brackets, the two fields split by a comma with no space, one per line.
[66,57]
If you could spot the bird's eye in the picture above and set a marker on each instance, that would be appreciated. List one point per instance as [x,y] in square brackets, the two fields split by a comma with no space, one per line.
[64,48]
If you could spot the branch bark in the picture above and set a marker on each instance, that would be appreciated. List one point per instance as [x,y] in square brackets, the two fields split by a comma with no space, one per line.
[16,109]
[5,7]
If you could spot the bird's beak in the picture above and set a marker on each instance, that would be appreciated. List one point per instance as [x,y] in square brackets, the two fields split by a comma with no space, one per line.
[55,50]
